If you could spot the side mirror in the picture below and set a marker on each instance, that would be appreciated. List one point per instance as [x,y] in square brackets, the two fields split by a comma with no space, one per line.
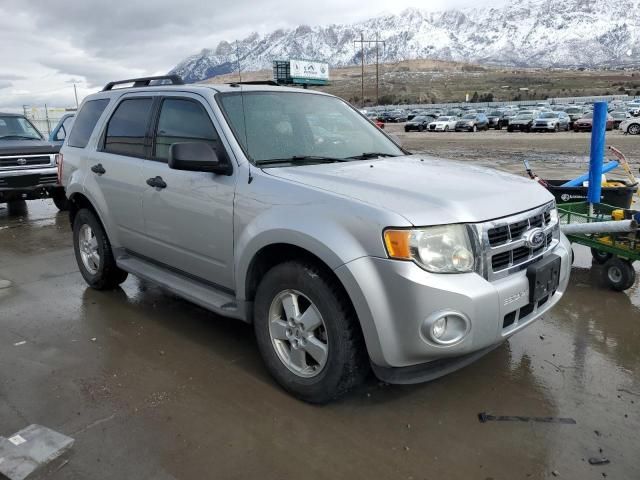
[197,157]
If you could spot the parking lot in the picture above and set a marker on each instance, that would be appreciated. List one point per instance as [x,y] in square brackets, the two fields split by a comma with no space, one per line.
[153,387]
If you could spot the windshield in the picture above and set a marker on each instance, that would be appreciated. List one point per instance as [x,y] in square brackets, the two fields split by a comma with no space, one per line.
[549,115]
[524,116]
[444,119]
[284,125]
[420,118]
[469,116]
[495,114]
[588,115]
[573,110]
[17,128]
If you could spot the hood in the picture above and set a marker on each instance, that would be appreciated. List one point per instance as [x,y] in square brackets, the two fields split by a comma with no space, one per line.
[425,190]
[27,147]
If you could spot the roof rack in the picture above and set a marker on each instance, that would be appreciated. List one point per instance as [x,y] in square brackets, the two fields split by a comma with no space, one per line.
[255,82]
[145,81]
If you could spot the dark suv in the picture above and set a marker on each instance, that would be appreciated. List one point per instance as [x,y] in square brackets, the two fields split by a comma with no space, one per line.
[472,122]
[497,120]
[27,162]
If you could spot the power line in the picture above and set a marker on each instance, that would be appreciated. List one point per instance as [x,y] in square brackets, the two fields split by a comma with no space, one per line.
[377,43]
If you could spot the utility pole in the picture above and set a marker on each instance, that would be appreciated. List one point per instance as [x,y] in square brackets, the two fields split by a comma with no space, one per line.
[377,43]
[75,92]
[238,60]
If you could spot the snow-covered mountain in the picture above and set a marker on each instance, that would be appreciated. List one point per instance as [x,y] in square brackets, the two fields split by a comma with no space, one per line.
[542,33]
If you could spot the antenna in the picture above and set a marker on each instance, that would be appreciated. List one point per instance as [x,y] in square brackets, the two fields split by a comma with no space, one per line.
[238,61]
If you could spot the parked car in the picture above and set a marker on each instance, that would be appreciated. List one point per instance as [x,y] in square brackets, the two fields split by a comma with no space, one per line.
[419,123]
[575,113]
[551,122]
[585,123]
[472,122]
[398,116]
[414,113]
[521,122]
[27,163]
[496,119]
[345,256]
[619,116]
[630,126]
[62,129]
[443,124]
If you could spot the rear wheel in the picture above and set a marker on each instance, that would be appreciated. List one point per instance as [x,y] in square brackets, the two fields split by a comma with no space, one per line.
[634,129]
[307,333]
[620,274]
[93,253]
[599,256]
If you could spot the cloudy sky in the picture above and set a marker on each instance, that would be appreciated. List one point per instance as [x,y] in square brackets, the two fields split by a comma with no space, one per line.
[48,45]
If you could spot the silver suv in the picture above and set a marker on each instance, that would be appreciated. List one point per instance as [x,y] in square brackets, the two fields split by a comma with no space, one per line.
[289,209]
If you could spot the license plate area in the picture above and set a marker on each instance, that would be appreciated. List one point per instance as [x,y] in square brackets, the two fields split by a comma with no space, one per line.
[544,277]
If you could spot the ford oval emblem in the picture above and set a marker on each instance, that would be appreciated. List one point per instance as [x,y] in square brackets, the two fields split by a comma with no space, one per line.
[534,238]
[21,161]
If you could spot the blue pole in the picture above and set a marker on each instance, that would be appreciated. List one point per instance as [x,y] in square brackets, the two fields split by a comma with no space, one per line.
[598,133]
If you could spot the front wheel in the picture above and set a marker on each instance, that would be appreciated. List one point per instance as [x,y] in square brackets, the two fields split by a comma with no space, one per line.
[474,129]
[446,128]
[634,129]
[620,274]
[93,253]
[420,128]
[307,333]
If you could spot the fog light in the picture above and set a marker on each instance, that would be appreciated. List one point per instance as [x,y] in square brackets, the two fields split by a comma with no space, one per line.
[445,328]
[439,327]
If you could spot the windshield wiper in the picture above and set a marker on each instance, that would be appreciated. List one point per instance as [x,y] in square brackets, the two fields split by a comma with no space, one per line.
[368,155]
[300,160]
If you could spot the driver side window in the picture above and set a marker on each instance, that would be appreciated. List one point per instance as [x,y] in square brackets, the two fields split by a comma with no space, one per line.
[183,120]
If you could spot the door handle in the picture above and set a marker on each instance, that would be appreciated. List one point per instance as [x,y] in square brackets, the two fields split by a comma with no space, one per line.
[156,182]
[98,169]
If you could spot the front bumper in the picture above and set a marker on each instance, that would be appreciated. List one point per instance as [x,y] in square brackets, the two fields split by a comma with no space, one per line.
[27,184]
[393,298]
[543,128]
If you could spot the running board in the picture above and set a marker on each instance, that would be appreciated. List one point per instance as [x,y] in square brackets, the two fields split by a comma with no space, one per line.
[190,289]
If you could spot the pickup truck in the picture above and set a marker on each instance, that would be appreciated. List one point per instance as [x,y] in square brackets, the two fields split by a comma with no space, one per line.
[28,167]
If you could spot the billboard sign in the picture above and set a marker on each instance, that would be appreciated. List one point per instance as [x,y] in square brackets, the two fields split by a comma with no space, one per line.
[309,70]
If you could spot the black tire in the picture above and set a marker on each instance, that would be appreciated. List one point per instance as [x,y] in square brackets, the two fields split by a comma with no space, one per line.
[347,362]
[510,129]
[557,128]
[108,276]
[420,128]
[499,126]
[620,274]
[599,256]
[634,129]
[61,201]
[446,128]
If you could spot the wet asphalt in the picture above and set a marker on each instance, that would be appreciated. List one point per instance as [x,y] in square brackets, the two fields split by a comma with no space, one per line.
[152,387]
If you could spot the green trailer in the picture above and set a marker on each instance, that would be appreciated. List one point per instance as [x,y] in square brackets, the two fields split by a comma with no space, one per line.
[614,248]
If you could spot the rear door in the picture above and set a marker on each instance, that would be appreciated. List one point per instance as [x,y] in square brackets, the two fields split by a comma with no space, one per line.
[189,223]
[116,167]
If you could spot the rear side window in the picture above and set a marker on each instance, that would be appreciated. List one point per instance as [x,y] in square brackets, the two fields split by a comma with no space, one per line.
[86,122]
[183,120]
[127,128]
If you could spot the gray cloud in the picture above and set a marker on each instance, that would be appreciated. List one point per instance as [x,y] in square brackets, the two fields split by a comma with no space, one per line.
[49,45]
[5,84]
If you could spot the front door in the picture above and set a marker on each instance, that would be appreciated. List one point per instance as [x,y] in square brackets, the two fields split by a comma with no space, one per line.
[188,223]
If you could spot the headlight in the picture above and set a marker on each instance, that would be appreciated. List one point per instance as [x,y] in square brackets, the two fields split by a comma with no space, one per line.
[442,249]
